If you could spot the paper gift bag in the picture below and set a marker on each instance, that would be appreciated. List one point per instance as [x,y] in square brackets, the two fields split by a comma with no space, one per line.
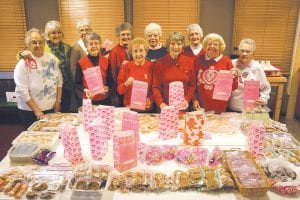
[94,81]
[130,121]
[139,95]
[176,94]
[193,133]
[223,86]
[168,122]
[71,143]
[124,150]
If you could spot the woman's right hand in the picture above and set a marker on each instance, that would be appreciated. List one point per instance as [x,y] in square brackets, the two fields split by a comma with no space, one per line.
[88,93]
[163,105]
[196,105]
[26,55]
[39,114]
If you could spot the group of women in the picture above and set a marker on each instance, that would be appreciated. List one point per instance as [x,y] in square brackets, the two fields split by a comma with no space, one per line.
[145,59]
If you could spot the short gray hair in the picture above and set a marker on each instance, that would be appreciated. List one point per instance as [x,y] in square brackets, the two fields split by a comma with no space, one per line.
[248,41]
[28,35]
[92,36]
[174,36]
[52,26]
[83,22]
[194,27]
[122,27]
[214,36]
[152,27]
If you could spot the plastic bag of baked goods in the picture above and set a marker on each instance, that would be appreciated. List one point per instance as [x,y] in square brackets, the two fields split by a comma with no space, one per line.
[179,180]
[197,178]
[160,181]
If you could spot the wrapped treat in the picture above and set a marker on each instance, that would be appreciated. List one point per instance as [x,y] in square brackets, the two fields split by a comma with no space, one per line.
[286,188]
[43,157]
[153,155]
[215,158]
[176,94]
[168,123]
[139,95]
[168,152]
[212,178]
[124,150]
[160,182]
[130,121]
[193,134]
[196,177]
[180,180]
[71,143]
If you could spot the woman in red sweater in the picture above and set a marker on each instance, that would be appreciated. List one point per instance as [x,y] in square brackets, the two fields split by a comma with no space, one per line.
[174,66]
[207,67]
[138,69]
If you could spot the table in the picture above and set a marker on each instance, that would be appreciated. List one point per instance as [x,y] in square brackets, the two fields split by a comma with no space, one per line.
[277,82]
[228,141]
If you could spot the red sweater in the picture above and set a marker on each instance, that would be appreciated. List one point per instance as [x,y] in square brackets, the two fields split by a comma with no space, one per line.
[206,73]
[189,52]
[117,55]
[140,73]
[167,70]
[86,63]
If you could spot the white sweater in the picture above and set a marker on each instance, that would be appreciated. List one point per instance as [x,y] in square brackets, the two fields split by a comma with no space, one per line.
[252,72]
[38,84]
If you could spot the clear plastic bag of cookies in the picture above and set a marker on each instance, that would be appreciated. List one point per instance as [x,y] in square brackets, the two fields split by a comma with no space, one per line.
[179,180]
[197,178]
[227,181]
[212,179]
[138,181]
[160,181]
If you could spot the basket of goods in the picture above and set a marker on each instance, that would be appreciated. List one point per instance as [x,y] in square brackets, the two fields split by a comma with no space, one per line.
[248,175]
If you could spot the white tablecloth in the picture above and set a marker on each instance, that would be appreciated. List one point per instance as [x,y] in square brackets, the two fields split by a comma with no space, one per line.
[225,142]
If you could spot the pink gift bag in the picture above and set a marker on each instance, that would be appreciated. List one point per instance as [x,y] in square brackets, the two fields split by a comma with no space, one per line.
[223,86]
[168,122]
[176,94]
[124,150]
[71,143]
[139,95]
[130,121]
[94,81]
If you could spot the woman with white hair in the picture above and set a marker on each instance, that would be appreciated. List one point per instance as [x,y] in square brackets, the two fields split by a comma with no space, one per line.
[61,51]
[248,69]
[38,86]
[79,49]
[174,66]
[153,34]
[207,67]
[119,55]
[194,34]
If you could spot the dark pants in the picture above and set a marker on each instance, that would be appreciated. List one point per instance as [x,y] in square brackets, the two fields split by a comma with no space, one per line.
[106,102]
[28,117]
[66,100]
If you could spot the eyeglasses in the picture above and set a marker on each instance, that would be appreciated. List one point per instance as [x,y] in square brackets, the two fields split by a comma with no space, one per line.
[87,30]
[153,35]
[245,51]
[215,44]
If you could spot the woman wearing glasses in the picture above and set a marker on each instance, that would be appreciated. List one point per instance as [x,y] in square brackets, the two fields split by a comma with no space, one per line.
[248,69]
[207,67]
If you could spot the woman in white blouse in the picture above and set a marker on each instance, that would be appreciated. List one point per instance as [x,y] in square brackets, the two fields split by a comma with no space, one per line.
[38,81]
[248,69]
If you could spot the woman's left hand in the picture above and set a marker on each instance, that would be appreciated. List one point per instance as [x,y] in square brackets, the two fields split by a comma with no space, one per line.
[184,105]
[57,106]
[261,101]
[148,103]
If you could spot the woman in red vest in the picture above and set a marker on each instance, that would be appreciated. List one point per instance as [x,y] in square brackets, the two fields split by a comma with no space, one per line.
[94,59]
